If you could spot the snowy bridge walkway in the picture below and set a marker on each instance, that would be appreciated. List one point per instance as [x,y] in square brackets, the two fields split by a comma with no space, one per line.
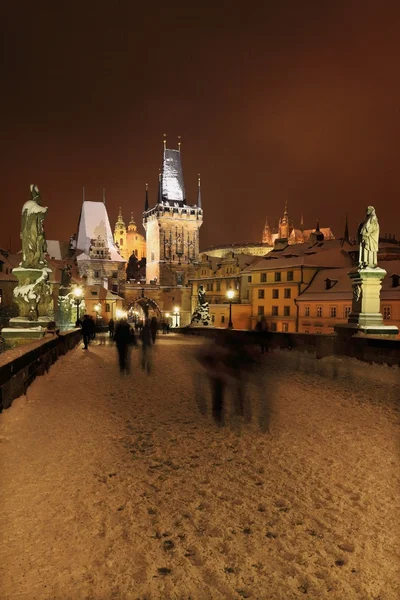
[119,488]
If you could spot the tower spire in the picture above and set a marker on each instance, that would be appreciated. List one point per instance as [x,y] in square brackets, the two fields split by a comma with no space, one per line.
[159,199]
[165,142]
[346,236]
[146,200]
[198,191]
[179,143]
[317,228]
[302,223]
[83,194]
[104,195]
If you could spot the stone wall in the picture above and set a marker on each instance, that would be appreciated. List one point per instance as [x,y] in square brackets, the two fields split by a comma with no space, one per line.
[20,366]
[379,350]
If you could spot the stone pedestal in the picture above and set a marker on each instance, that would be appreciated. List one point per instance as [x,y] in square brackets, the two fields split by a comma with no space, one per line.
[365,316]
[33,297]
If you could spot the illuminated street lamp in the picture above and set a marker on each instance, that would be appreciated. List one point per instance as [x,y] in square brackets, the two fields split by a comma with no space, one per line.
[78,292]
[97,308]
[230,294]
[176,313]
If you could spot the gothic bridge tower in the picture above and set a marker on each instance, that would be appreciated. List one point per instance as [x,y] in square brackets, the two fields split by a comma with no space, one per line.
[172,226]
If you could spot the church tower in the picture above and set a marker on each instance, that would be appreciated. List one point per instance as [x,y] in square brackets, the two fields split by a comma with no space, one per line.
[120,235]
[267,234]
[172,226]
[284,225]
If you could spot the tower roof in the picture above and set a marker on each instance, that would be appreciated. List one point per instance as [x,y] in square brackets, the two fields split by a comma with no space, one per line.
[173,189]
[94,222]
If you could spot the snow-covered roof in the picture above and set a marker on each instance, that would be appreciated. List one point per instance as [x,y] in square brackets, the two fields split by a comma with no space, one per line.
[341,288]
[94,222]
[173,189]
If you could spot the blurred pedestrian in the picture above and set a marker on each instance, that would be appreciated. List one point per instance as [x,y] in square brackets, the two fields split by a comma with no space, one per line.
[111,328]
[92,328]
[262,334]
[146,339]
[153,329]
[86,331]
[163,327]
[123,339]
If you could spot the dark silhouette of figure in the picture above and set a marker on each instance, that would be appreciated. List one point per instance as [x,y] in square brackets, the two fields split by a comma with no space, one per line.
[86,331]
[123,338]
[153,329]
[146,338]
[226,361]
[262,334]
[92,328]
[111,328]
[164,327]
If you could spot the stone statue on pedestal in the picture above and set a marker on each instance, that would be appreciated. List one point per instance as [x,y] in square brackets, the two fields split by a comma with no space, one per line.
[34,246]
[368,238]
[201,315]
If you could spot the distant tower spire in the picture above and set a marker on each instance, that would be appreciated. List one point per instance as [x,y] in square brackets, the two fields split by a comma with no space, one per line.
[83,194]
[165,141]
[146,201]
[317,227]
[285,214]
[179,143]
[198,191]
[104,195]
[346,236]
[132,220]
[159,199]
[302,222]
[266,236]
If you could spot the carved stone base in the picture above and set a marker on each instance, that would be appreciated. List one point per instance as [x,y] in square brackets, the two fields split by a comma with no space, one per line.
[33,292]
[366,316]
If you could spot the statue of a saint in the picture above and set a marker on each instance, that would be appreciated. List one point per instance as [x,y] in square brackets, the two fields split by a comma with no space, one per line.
[66,277]
[201,295]
[368,238]
[34,245]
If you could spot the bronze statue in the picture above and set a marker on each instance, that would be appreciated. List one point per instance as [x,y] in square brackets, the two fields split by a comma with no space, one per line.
[34,245]
[368,238]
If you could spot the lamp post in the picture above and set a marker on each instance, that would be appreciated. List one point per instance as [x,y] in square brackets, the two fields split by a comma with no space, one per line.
[176,313]
[78,291]
[230,294]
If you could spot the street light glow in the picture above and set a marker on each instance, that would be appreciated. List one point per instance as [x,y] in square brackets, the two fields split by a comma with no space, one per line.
[230,294]
[78,291]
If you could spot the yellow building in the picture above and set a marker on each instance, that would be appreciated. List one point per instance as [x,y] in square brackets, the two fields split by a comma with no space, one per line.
[328,300]
[128,240]
[218,275]
[274,283]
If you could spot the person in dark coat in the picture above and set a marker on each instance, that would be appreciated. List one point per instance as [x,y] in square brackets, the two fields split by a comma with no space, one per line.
[153,329]
[111,328]
[92,328]
[262,334]
[123,338]
[86,331]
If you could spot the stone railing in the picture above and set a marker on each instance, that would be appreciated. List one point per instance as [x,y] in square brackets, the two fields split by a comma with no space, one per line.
[20,366]
[379,350]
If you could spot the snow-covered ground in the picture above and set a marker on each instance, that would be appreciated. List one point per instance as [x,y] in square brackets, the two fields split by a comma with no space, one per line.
[122,488]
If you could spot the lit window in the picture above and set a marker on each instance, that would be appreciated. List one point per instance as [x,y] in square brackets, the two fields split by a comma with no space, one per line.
[347,311]
[387,313]
[261,294]
[287,293]
[333,312]
[319,311]
[107,307]
[306,311]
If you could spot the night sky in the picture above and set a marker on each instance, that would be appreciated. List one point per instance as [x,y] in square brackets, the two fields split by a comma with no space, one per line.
[280,101]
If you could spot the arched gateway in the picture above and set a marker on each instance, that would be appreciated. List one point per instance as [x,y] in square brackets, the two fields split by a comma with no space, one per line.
[145,307]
